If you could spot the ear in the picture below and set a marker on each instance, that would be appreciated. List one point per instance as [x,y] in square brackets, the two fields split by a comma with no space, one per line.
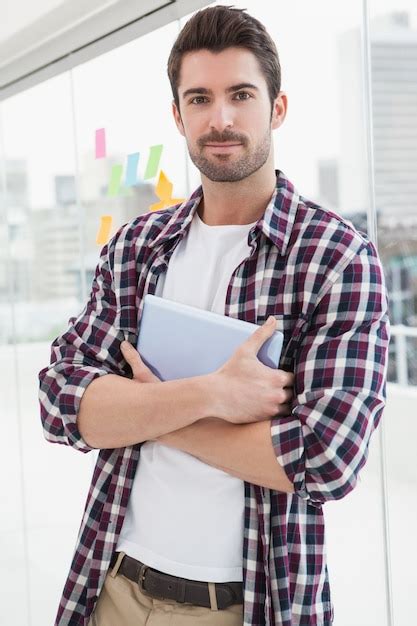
[279,110]
[177,118]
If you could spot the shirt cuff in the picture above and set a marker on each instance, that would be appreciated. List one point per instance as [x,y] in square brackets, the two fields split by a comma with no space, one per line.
[288,443]
[69,404]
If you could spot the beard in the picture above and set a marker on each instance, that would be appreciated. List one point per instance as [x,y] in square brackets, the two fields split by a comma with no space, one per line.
[227,168]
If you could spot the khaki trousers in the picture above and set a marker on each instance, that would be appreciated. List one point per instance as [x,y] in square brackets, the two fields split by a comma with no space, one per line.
[122,603]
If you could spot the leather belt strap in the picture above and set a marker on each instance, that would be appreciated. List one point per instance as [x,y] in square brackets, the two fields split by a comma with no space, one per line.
[163,585]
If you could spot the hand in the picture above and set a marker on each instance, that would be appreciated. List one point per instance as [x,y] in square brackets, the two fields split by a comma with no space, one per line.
[245,390]
[141,372]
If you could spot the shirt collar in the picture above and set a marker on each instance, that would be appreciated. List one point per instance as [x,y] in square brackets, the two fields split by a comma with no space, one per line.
[276,223]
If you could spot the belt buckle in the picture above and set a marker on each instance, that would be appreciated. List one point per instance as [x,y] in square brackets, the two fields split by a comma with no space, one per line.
[142,573]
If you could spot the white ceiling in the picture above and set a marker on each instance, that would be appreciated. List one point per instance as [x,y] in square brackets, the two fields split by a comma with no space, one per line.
[16,14]
[34,38]
[41,38]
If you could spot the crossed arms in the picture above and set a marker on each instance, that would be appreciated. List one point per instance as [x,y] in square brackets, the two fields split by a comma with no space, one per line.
[339,375]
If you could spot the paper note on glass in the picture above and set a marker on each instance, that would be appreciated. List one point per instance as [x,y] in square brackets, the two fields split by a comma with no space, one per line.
[115,180]
[153,161]
[164,192]
[100,143]
[132,169]
[104,230]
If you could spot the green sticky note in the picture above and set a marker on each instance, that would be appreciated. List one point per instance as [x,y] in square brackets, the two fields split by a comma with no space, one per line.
[115,179]
[153,161]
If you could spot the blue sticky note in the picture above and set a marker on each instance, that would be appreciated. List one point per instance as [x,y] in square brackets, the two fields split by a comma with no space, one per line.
[132,169]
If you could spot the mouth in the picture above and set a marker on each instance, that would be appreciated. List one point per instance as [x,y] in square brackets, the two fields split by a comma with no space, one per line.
[223,147]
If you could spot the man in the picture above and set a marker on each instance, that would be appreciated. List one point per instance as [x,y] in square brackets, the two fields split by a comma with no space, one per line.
[206,501]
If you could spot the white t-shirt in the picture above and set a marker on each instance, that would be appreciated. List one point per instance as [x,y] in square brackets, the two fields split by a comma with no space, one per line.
[184,516]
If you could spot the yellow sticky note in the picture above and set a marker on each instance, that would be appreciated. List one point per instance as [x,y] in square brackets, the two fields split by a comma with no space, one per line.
[104,230]
[163,190]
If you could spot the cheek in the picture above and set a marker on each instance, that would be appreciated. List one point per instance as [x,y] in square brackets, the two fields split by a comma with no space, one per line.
[193,130]
[257,120]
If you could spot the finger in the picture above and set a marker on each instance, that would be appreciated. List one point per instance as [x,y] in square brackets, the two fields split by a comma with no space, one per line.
[287,395]
[140,371]
[286,379]
[132,357]
[261,334]
[285,410]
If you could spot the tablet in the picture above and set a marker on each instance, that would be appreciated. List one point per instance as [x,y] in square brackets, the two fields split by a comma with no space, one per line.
[177,340]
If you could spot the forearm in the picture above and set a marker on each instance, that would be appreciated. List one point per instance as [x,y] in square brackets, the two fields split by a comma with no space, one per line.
[117,411]
[242,450]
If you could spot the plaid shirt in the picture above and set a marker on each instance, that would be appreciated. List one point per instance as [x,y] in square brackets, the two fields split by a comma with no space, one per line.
[323,280]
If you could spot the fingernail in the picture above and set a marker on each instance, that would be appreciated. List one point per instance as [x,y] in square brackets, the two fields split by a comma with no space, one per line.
[271,319]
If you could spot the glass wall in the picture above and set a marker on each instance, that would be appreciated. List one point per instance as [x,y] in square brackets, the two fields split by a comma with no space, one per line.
[393,48]
[59,179]
[12,520]
[81,154]
[45,485]
[322,147]
[123,98]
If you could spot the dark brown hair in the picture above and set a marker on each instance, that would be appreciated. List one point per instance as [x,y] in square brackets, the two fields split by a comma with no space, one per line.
[220,27]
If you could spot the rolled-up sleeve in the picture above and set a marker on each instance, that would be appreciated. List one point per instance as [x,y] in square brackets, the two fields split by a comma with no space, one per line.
[340,384]
[89,348]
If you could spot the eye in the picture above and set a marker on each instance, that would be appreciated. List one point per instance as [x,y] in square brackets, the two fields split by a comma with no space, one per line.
[245,95]
[199,98]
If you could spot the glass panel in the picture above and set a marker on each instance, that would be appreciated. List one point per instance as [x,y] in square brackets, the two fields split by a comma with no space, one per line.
[321,147]
[393,34]
[41,218]
[54,193]
[14,599]
[125,93]
[52,238]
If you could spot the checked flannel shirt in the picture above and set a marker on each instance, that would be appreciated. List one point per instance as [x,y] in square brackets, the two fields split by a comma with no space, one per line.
[323,280]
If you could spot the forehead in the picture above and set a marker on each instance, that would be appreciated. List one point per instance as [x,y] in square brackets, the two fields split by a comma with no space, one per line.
[219,70]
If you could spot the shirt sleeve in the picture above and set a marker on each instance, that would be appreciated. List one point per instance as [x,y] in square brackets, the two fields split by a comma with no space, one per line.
[339,384]
[89,348]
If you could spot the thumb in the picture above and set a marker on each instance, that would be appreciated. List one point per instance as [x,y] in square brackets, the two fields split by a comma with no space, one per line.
[140,371]
[261,334]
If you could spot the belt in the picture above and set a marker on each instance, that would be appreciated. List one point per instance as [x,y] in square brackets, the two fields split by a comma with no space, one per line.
[163,585]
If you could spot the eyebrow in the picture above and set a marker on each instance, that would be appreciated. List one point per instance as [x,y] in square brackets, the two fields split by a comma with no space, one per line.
[203,90]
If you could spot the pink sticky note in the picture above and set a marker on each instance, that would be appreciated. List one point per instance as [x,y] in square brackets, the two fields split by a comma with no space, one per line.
[100,143]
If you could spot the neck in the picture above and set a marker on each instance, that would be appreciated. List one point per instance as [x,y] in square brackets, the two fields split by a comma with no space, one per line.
[241,202]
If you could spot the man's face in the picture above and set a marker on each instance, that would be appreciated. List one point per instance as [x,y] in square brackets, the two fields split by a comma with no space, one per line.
[225,113]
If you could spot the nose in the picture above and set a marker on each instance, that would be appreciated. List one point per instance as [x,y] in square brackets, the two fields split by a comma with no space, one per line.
[221,116]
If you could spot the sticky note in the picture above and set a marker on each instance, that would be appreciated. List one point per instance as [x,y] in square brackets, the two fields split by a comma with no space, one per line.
[153,161]
[164,187]
[100,143]
[104,230]
[115,179]
[132,169]
[164,192]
